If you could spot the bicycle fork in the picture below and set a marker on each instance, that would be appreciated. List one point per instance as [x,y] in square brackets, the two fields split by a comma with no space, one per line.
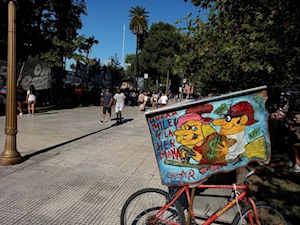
[254,210]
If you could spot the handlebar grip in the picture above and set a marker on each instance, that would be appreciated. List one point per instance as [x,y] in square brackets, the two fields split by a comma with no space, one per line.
[267,167]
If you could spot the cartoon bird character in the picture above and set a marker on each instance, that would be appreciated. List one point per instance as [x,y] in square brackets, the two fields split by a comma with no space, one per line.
[192,128]
[232,125]
[195,134]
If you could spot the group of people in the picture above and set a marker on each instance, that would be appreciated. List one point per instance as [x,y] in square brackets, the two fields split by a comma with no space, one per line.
[29,97]
[283,133]
[80,95]
[108,100]
[156,100]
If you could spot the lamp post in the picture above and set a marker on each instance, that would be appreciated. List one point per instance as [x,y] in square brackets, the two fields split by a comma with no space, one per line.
[10,155]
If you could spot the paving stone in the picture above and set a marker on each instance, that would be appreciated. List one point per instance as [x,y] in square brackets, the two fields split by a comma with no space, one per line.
[79,171]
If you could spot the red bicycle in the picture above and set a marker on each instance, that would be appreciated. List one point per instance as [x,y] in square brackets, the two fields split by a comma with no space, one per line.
[153,206]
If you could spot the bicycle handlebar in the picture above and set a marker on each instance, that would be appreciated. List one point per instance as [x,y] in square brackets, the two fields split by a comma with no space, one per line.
[248,175]
[252,171]
[267,167]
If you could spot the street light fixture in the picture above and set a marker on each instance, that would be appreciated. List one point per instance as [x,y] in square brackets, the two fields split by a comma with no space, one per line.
[10,155]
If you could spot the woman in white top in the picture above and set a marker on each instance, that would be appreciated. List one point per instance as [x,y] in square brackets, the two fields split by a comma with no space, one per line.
[31,99]
[163,100]
[154,100]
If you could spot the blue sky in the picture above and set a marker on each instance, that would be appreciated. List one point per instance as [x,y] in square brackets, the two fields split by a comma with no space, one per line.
[105,20]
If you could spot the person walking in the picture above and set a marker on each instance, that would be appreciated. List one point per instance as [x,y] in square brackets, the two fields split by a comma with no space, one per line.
[79,93]
[144,104]
[140,100]
[163,100]
[134,98]
[106,102]
[154,98]
[31,100]
[21,98]
[119,99]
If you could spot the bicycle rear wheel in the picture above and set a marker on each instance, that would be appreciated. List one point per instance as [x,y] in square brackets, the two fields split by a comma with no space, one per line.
[140,208]
[267,213]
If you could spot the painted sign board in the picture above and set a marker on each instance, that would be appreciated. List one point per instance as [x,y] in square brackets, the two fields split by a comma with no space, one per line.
[35,73]
[194,140]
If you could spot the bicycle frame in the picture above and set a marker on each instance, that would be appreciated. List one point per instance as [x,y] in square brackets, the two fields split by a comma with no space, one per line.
[220,212]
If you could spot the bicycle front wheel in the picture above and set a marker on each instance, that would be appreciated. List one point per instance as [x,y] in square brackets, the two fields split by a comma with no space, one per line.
[267,214]
[142,206]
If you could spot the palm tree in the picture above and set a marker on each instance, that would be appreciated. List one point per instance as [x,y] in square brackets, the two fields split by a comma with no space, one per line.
[138,25]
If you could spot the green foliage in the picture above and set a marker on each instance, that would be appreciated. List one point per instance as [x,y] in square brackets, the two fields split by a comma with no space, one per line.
[54,55]
[114,62]
[114,66]
[129,72]
[94,66]
[163,42]
[139,20]
[46,30]
[73,67]
[60,26]
[243,44]
[129,59]
[84,45]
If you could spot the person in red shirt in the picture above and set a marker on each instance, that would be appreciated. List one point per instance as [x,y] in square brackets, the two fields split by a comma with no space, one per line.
[78,92]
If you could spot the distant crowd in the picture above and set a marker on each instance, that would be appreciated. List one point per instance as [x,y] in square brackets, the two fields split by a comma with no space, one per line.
[85,96]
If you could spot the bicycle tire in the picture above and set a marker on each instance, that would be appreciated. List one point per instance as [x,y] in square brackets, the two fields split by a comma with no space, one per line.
[259,204]
[179,210]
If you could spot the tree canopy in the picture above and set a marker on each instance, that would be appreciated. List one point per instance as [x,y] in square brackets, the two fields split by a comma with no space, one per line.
[130,60]
[139,20]
[243,44]
[117,71]
[83,47]
[163,42]
[47,30]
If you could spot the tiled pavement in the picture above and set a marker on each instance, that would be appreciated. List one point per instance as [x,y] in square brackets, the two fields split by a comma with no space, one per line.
[78,171]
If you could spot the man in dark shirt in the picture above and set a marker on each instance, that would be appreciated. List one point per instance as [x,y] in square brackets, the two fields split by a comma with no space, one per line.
[106,101]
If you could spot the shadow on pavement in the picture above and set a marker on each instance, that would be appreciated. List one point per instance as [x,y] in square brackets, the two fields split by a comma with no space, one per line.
[45,113]
[123,122]
[26,157]
[281,188]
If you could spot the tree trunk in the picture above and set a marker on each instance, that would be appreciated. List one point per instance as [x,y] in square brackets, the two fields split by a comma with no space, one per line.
[87,55]
[167,82]
[136,58]
[57,88]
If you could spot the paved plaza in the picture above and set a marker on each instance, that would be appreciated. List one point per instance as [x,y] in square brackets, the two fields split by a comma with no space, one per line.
[77,170]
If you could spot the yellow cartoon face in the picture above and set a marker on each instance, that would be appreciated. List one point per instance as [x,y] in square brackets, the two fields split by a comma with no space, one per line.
[231,124]
[190,133]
